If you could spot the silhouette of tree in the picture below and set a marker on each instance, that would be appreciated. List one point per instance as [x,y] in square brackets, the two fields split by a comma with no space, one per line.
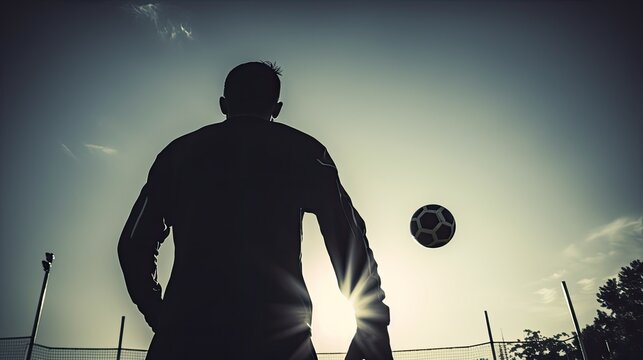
[618,332]
[538,347]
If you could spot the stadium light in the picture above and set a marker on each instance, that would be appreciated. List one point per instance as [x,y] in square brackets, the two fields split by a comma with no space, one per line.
[46,266]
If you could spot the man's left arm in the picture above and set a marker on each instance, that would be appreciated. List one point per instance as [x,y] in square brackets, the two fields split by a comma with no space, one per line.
[344,233]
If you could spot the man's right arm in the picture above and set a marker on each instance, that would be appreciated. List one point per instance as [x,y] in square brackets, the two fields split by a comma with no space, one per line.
[139,243]
[344,233]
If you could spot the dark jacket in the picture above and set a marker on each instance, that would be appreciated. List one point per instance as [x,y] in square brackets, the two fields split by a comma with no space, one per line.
[234,194]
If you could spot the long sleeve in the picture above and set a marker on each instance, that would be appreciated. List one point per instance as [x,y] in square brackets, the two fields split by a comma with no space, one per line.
[138,246]
[344,233]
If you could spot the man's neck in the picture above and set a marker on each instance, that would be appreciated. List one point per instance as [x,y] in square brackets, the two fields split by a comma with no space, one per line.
[248,115]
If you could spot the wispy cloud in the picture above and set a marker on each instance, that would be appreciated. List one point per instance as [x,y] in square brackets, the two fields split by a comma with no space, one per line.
[621,240]
[149,11]
[68,152]
[186,32]
[166,28]
[102,149]
[590,261]
[547,295]
[556,275]
[587,284]
[619,230]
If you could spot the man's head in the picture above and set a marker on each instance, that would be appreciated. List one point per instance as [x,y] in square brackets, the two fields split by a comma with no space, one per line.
[252,89]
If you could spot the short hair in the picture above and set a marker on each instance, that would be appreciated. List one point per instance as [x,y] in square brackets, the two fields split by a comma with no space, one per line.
[252,87]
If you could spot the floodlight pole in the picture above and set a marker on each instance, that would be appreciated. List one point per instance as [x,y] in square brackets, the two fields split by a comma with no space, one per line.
[46,265]
[575,320]
[493,349]
[120,339]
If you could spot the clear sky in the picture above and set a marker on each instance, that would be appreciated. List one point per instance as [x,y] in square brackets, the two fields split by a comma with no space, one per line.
[523,118]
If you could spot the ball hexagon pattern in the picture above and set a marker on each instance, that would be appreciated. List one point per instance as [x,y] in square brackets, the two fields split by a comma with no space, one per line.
[433,226]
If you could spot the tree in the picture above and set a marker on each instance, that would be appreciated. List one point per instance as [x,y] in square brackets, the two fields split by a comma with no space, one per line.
[537,347]
[618,332]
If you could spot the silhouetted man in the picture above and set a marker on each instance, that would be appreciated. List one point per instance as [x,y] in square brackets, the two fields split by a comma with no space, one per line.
[235,193]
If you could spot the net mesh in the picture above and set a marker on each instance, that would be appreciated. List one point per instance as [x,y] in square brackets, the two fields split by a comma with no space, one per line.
[15,349]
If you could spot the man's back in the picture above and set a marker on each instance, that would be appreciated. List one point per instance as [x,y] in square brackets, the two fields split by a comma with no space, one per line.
[234,194]
[238,191]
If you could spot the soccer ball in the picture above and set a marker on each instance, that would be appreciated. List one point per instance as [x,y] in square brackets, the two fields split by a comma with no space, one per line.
[433,226]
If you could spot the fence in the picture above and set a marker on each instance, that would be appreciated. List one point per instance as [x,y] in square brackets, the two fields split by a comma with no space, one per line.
[15,348]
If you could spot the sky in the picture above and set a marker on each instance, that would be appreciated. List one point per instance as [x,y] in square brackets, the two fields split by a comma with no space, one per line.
[522,118]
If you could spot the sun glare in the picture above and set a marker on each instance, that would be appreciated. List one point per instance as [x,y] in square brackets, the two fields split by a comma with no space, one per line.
[333,322]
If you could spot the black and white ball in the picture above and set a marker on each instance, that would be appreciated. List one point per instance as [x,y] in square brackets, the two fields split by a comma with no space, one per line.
[433,226]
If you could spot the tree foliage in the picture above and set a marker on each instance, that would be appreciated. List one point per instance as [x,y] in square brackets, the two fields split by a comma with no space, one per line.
[617,331]
[538,347]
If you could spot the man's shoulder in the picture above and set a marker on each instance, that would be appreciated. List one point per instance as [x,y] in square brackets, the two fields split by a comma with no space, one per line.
[297,135]
[186,140]
[281,132]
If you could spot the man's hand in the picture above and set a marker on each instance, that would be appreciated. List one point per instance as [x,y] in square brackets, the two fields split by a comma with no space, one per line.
[151,312]
[354,352]
[370,345]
